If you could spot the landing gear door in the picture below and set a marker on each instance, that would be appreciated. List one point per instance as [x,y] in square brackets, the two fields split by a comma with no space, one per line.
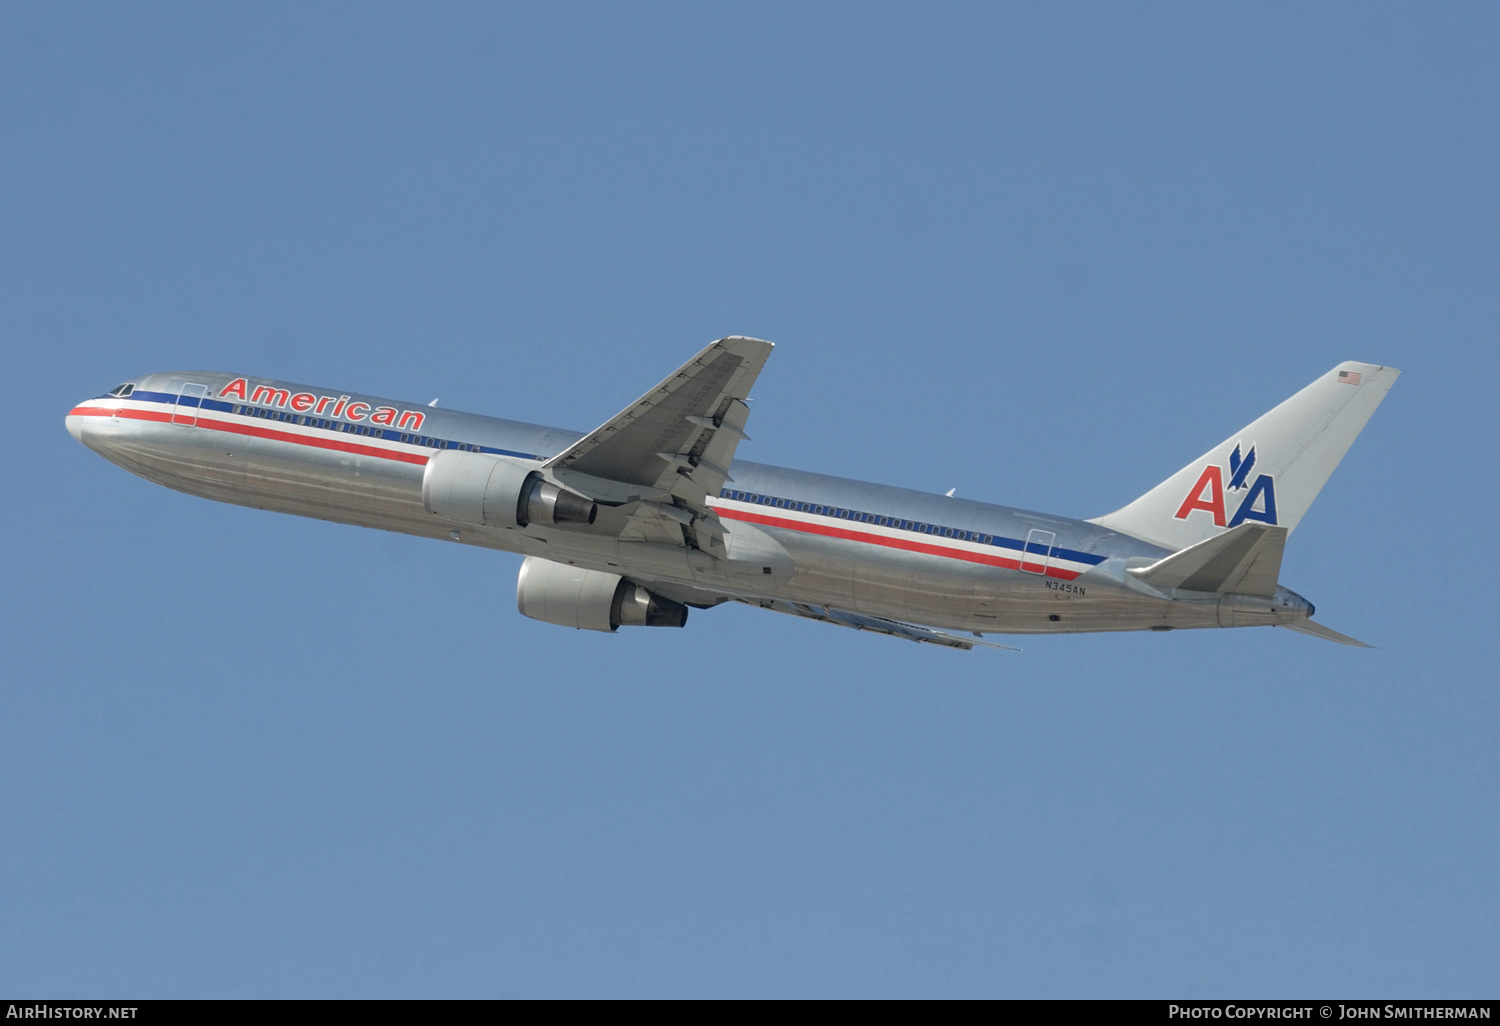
[189,402]
[1038,551]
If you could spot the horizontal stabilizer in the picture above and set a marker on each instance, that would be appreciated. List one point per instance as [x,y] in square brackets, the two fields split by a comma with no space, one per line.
[1245,560]
[1317,630]
[879,625]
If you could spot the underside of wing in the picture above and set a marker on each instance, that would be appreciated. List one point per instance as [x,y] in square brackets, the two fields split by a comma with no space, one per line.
[875,624]
[663,455]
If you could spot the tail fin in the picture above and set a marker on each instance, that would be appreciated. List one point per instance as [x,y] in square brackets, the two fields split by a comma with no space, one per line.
[1268,472]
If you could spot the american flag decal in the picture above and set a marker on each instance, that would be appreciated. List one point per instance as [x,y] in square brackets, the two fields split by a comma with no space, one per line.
[1348,378]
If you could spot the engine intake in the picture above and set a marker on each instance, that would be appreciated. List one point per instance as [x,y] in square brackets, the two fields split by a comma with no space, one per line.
[495,491]
[590,600]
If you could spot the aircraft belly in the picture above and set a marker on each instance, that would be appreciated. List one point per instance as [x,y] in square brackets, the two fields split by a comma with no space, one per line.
[272,475]
[895,584]
[956,595]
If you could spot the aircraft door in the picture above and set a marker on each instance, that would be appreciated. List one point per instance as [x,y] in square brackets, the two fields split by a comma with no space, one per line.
[1038,550]
[189,401]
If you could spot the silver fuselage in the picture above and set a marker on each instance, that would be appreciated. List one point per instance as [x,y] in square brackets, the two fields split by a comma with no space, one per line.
[827,541]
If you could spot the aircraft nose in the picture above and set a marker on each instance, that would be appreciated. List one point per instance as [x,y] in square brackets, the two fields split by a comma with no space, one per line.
[76,421]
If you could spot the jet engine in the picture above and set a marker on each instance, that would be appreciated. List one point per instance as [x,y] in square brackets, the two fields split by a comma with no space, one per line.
[590,600]
[496,491]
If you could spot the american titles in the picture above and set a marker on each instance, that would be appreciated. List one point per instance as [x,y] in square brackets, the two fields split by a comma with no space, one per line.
[323,405]
[1208,493]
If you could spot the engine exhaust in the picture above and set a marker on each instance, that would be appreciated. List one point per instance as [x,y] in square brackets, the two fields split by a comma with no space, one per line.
[636,607]
[543,502]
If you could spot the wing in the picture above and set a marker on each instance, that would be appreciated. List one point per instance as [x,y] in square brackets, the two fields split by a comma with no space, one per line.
[664,454]
[861,622]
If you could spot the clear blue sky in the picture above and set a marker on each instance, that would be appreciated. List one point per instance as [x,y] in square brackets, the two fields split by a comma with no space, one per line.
[1044,254]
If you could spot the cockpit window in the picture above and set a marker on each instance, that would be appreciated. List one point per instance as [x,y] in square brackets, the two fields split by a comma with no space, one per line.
[121,391]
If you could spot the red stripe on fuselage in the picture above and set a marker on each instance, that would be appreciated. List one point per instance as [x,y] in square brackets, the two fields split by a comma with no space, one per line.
[256,431]
[105,411]
[888,542]
[420,459]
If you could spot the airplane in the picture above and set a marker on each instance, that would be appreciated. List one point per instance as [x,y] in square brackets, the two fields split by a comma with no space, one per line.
[650,514]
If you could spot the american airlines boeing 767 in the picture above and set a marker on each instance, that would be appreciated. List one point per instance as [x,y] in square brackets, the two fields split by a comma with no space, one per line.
[650,514]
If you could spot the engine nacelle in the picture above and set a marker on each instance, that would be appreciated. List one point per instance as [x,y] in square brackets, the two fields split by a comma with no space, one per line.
[590,600]
[496,491]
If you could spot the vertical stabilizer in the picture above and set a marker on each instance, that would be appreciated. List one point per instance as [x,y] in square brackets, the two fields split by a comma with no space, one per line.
[1268,472]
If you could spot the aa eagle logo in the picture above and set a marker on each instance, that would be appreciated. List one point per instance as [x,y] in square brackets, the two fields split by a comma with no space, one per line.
[1208,493]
